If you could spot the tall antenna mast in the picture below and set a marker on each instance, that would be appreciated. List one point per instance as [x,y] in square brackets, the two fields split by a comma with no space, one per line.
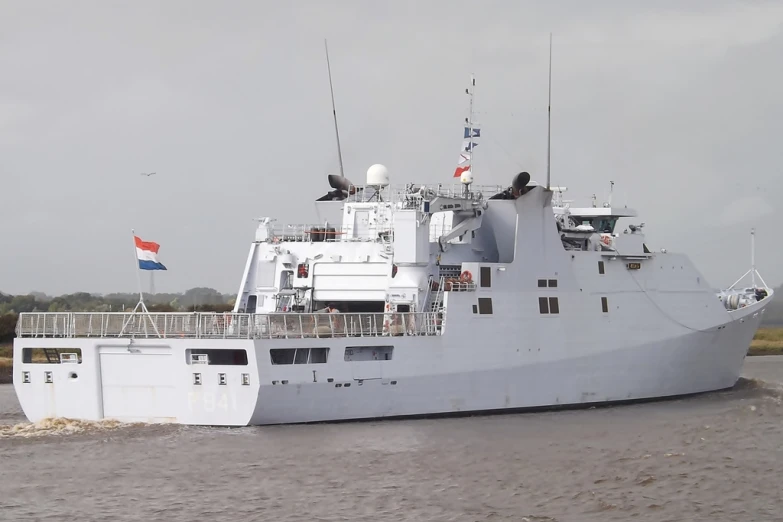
[334,111]
[549,116]
[471,90]
[753,257]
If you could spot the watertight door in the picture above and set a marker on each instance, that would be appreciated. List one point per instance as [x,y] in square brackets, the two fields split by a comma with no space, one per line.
[361,225]
[138,386]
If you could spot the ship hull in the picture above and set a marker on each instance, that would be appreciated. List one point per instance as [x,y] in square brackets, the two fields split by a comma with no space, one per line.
[152,380]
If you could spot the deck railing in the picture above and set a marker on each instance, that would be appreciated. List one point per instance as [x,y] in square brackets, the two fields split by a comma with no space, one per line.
[225,325]
[305,233]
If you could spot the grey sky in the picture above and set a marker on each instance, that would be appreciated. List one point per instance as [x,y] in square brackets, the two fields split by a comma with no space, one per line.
[228,102]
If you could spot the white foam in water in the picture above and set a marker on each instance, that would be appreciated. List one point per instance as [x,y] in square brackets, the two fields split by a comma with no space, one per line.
[60,426]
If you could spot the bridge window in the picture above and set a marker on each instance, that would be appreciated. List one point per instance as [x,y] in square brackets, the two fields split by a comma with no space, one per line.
[605,225]
[601,267]
[486,277]
[605,305]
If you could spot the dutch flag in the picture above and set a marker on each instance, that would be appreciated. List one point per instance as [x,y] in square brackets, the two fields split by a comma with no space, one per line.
[147,254]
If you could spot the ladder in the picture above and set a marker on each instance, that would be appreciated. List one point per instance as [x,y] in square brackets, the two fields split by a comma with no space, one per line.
[52,355]
[435,317]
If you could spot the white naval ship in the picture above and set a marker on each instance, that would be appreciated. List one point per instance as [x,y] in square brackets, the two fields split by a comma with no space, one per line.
[405,302]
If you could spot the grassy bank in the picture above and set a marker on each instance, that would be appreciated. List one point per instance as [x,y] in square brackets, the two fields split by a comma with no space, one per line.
[768,341]
[6,363]
[6,351]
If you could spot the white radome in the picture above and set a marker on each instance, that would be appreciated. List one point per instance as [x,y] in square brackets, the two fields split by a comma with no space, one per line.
[466,178]
[378,176]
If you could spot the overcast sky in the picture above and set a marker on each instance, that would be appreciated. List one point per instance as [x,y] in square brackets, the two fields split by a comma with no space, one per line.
[228,102]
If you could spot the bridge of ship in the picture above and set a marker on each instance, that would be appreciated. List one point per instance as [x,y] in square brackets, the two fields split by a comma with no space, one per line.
[397,198]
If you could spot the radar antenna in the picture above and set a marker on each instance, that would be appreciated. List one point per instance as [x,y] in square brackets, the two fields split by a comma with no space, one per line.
[334,110]
[470,91]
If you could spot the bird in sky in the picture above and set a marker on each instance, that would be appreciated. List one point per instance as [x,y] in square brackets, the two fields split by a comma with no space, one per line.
[148,175]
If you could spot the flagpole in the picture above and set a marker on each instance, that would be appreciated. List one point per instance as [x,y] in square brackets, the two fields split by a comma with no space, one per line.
[140,304]
[138,270]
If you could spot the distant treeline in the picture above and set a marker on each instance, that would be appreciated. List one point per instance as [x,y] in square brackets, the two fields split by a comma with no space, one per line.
[194,300]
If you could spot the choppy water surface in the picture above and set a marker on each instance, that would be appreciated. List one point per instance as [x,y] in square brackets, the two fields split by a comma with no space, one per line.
[713,457]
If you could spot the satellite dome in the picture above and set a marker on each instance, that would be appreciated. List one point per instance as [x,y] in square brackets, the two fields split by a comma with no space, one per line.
[466,178]
[378,176]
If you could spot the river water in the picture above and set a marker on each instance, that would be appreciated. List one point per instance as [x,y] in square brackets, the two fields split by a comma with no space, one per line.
[717,456]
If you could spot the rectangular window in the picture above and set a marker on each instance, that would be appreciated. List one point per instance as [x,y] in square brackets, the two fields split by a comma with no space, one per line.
[51,355]
[298,355]
[542,283]
[605,305]
[282,355]
[301,355]
[548,305]
[485,305]
[475,309]
[318,355]
[218,356]
[553,283]
[369,353]
[601,267]
[486,277]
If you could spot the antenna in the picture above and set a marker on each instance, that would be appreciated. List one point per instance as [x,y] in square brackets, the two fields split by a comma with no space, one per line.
[753,257]
[334,111]
[753,272]
[611,190]
[549,115]
[464,169]
[471,91]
